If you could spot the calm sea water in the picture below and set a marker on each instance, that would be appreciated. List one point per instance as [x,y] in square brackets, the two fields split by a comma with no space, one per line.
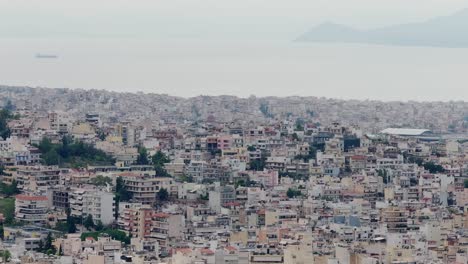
[187,68]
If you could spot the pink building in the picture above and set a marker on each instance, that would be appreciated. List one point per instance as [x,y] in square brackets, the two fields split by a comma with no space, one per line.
[269,178]
[224,142]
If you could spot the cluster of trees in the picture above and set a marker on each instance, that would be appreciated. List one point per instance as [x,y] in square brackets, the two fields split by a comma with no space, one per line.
[258,164]
[47,247]
[72,153]
[5,255]
[385,177]
[121,192]
[7,208]
[113,233]
[205,197]
[265,110]
[244,183]
[9,190]
[186,178]
[5,116]
[89,224]
[251,148]
[292,193]
[70,225]
[100,180]
[433,168]
[158,160]
[299,124]
[429,166]
[142,156]
[163,195]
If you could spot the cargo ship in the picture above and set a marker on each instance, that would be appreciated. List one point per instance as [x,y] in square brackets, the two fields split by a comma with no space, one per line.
[46,56]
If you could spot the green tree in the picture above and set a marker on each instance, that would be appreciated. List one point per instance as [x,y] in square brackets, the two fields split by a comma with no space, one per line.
[163,195]
[299,124]
[186,178]
[72,154]
[161,172]
[292,193]
[45,145]
[6,255]
[101,135]
[9,189]
[51,158]
[159,159]
[49,248]
[2,170]
[5,116]
[466,184]
[99,226]
[89,222]
[7,208]
[121,190]
[385,177]
[258,164]
[100,180]
[40,246]
[251,148]
[71,225]
[433,168]
[265,110]
[65,149]
[2,237]
[295,137]
[142,156]
[121,194]
[113,233]
[244,183]
[9,106]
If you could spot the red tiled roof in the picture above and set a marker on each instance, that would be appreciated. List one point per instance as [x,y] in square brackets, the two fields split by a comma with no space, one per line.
[182,250]
[207,251]
[231,248]
[161,215]
[359,157]
[31,198]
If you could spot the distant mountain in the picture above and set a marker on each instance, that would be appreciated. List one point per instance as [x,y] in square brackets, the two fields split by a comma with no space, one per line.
[449,31]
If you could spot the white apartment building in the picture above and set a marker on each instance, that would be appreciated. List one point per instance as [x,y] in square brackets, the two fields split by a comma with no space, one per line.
[31,209]
[99,204]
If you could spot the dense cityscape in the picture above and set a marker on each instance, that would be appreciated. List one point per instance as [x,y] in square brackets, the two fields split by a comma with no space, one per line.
[94,176]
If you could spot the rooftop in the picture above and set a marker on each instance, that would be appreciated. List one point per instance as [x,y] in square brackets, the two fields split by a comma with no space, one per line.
[405,131]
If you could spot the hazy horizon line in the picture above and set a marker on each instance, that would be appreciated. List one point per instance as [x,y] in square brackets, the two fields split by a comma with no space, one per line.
[2,86]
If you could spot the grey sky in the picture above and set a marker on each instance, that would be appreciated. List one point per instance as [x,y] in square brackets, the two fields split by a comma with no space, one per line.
[207,19]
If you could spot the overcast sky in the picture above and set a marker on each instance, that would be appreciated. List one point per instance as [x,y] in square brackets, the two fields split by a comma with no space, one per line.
[207,19]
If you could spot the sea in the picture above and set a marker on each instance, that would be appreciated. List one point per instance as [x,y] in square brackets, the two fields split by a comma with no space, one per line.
[189,68]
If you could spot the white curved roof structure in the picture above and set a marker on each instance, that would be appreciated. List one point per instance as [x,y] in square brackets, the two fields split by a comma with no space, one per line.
[405,131]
